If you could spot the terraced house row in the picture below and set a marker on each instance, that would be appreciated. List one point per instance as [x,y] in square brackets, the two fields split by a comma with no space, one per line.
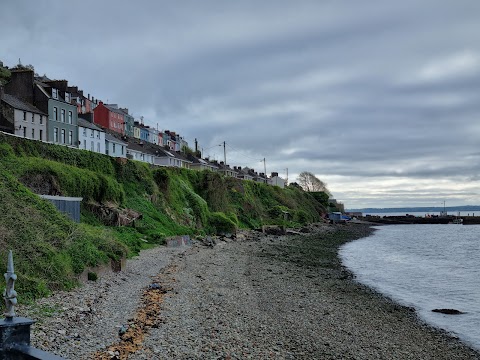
[48,110]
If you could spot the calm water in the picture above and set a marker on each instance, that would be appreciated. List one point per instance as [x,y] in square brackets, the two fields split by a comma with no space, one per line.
[425,267]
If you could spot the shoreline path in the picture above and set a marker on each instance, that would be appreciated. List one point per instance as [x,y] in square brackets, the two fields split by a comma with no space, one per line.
[262,297]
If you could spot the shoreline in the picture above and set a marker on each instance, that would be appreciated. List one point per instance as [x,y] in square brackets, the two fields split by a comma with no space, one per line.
[409,312]
[288,297]
[256,296]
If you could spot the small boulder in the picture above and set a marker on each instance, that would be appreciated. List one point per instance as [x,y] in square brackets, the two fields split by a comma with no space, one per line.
[448,311]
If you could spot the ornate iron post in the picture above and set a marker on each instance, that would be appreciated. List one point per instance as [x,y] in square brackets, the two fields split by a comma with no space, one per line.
[15,331]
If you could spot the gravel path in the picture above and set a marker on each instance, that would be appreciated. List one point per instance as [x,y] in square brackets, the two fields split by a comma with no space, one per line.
[77,323]
[250,299]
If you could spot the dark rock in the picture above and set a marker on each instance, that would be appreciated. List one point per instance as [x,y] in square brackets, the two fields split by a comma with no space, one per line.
[448,311]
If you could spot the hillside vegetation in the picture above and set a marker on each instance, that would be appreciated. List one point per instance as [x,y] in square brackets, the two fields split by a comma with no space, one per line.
[50,250]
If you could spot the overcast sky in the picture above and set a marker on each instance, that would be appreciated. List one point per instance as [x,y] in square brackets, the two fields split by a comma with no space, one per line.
[380,99]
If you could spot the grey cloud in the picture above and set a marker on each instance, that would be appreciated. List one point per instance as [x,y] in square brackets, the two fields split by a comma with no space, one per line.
[330,87]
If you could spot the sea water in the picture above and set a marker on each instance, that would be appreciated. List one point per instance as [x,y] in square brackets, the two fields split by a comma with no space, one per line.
[425,267]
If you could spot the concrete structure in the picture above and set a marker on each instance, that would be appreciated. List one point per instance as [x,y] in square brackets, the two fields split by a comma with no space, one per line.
[66,205]
[91,137]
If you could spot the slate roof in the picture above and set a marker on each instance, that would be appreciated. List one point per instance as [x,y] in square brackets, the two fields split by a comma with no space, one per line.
[111,138]
[86,124]
[113,109]
[21,105]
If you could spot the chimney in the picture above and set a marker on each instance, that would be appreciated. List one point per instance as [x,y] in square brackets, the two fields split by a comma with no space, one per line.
[101,102]
[88,97]
[221,163]
[196,145]
[21,85]
[274,174]
[61,85]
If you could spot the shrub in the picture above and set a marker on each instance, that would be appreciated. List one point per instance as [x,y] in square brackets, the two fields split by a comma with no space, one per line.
[219,223]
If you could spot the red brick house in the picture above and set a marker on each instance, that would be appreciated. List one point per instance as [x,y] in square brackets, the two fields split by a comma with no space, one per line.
[110,117]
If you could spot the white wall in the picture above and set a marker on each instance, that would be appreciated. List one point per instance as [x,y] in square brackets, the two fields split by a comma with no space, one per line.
[27,125]
[86,136]
[115,149]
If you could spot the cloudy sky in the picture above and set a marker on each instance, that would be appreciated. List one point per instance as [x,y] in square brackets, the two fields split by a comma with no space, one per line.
[378,98]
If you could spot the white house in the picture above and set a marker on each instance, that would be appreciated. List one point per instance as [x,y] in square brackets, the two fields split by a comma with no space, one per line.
[276,180]
[115,147]
[171,158]
[153,135]
[91,137]
[201,164]
[139,152]
[22,119]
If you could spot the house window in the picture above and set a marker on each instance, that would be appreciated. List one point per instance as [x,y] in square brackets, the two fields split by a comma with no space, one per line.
[70,137]
[63,136]
[123,149]
[55,93]
[98,134]
[113,148]
[55,113]
[33,133]
[63,115]
[24,116]
[70,117]
[33,117]
[84,132]
[91,132]
[41,135]
[67,97]
[92,146]
[24,131]
[98,147]
[41,119]
[55,135]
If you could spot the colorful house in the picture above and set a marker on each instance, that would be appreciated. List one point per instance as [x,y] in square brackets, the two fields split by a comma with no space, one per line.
[110,117]
[129,122]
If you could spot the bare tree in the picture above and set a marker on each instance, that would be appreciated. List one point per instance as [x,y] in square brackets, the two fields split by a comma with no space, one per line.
[310,182]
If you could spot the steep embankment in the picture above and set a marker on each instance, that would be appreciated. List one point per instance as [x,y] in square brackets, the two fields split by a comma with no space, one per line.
[150,202]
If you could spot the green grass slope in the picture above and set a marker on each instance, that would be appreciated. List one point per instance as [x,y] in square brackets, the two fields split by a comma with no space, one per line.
[50,250]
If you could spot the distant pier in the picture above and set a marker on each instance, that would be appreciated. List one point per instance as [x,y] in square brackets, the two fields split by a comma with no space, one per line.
[411,219]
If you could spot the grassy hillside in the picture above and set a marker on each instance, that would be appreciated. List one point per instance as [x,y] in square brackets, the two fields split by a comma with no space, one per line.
[50,250]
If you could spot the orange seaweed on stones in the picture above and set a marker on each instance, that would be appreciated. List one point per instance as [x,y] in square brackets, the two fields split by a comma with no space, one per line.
[147,317]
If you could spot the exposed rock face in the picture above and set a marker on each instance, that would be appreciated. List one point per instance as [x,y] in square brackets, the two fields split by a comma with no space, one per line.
[111,215]
[42,184]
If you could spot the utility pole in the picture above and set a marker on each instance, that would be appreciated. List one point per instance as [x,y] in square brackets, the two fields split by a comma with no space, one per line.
[224,154]
[265,168]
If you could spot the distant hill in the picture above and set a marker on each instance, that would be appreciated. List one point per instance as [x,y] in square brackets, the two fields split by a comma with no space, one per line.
[417,209]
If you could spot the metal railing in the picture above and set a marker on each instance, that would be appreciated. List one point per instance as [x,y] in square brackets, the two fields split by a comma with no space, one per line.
[15,331]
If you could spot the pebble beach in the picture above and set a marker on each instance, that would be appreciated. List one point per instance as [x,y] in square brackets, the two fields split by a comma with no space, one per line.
[253,296]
